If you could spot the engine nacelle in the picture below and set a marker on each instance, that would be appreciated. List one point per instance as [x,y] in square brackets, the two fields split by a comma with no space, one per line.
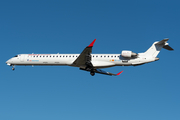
[128,54]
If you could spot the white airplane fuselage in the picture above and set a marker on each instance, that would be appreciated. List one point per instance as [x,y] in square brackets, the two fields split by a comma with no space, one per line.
[98,60]
[92,62]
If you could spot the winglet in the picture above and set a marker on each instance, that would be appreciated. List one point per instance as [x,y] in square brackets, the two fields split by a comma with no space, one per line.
[91,45]
[119,73]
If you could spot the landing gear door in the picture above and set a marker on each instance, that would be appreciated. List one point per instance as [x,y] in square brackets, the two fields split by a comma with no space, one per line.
[21,58]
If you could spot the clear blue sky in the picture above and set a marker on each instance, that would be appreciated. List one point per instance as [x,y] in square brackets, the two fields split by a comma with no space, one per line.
[147,92]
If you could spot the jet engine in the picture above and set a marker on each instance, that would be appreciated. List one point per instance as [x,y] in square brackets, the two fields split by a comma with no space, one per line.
[128,54]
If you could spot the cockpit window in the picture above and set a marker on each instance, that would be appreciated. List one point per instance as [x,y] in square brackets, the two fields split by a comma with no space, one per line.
[16,56]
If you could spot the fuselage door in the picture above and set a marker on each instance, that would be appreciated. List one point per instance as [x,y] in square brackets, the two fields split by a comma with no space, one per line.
[22,58]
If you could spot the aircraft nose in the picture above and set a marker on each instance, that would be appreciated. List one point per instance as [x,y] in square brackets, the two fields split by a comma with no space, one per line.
[8,62]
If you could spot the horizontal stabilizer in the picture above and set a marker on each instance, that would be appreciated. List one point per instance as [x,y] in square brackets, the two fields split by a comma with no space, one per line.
[165,44]
[167,47]
[162,41]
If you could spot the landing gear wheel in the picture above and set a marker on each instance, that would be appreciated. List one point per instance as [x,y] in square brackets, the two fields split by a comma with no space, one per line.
[13,68]
[92,73]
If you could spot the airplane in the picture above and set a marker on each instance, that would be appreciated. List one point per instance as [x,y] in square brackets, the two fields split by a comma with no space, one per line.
[92,62]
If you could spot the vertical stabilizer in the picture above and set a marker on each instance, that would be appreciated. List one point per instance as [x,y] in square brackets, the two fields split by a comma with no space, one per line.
[156,48]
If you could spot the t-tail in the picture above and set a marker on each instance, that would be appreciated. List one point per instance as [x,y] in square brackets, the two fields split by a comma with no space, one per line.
[156,48]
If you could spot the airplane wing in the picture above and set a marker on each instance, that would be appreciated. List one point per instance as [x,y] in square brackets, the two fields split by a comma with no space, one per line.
[102,72]
[106,73]
[84,62]
[84,56]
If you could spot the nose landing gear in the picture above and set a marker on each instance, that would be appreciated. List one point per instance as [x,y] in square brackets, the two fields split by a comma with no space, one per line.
[13,67]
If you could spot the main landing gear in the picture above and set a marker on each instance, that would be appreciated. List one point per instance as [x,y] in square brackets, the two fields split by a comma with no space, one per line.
[92,73]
